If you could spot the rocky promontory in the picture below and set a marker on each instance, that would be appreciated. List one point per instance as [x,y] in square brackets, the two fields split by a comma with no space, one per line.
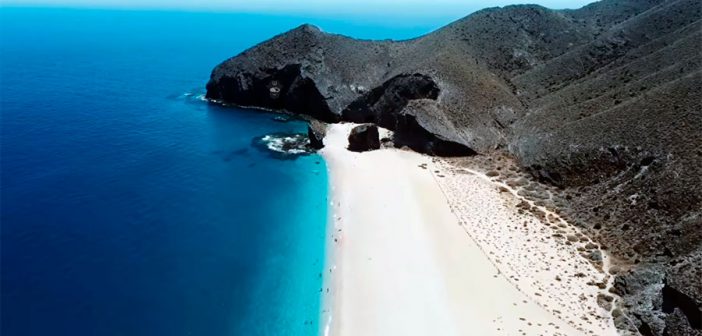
[602,102]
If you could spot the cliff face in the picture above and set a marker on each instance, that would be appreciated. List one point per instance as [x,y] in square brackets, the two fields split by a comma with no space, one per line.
[603,101]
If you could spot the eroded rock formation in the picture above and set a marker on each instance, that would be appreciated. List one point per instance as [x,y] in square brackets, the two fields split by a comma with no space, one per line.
[316,131]
[364,138]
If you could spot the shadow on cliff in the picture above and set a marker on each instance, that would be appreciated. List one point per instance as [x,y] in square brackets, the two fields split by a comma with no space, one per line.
[285,89]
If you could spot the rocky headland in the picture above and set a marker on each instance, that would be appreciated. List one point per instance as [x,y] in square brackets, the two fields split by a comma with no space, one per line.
[601,106]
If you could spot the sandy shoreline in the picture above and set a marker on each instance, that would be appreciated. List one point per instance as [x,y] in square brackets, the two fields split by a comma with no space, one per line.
[407,255]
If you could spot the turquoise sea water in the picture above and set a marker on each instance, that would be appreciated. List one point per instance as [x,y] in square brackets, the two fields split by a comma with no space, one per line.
[130,206]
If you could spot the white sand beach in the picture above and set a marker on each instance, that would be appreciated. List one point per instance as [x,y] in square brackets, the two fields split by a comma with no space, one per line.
[407,256]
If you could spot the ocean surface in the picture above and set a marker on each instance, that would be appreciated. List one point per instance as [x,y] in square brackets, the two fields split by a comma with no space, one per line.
[129,205]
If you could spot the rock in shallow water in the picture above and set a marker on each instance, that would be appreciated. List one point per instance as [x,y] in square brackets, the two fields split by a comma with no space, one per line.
[284,145]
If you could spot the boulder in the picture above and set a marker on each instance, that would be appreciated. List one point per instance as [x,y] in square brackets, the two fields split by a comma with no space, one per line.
[316,130]
[364,138]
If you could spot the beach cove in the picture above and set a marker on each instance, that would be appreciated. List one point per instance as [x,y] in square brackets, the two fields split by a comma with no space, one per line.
[401,260]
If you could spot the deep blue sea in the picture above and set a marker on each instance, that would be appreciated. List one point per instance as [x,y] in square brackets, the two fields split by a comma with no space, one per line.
[130,206]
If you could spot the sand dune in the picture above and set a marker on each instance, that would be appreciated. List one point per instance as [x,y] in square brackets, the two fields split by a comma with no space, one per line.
[403,259]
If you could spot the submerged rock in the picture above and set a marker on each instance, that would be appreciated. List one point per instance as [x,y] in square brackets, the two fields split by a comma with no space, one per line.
[284,145]
[364,138]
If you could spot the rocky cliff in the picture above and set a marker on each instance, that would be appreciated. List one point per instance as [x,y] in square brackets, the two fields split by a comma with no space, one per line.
[604,101]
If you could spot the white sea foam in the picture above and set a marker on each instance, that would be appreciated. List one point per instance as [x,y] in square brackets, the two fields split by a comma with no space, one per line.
[292,144]
[197,96]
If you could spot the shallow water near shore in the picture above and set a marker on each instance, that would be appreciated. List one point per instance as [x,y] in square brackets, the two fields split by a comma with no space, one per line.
[131,206]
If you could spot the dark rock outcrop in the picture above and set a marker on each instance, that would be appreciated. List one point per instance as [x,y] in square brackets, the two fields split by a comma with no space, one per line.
[364,138]
[680,295]
[316,131]
[383,104]
[273,88]
[691,309]
[602,101]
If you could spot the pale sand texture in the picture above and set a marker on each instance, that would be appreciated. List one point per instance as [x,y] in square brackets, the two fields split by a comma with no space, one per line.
[400,263]
[549,269]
